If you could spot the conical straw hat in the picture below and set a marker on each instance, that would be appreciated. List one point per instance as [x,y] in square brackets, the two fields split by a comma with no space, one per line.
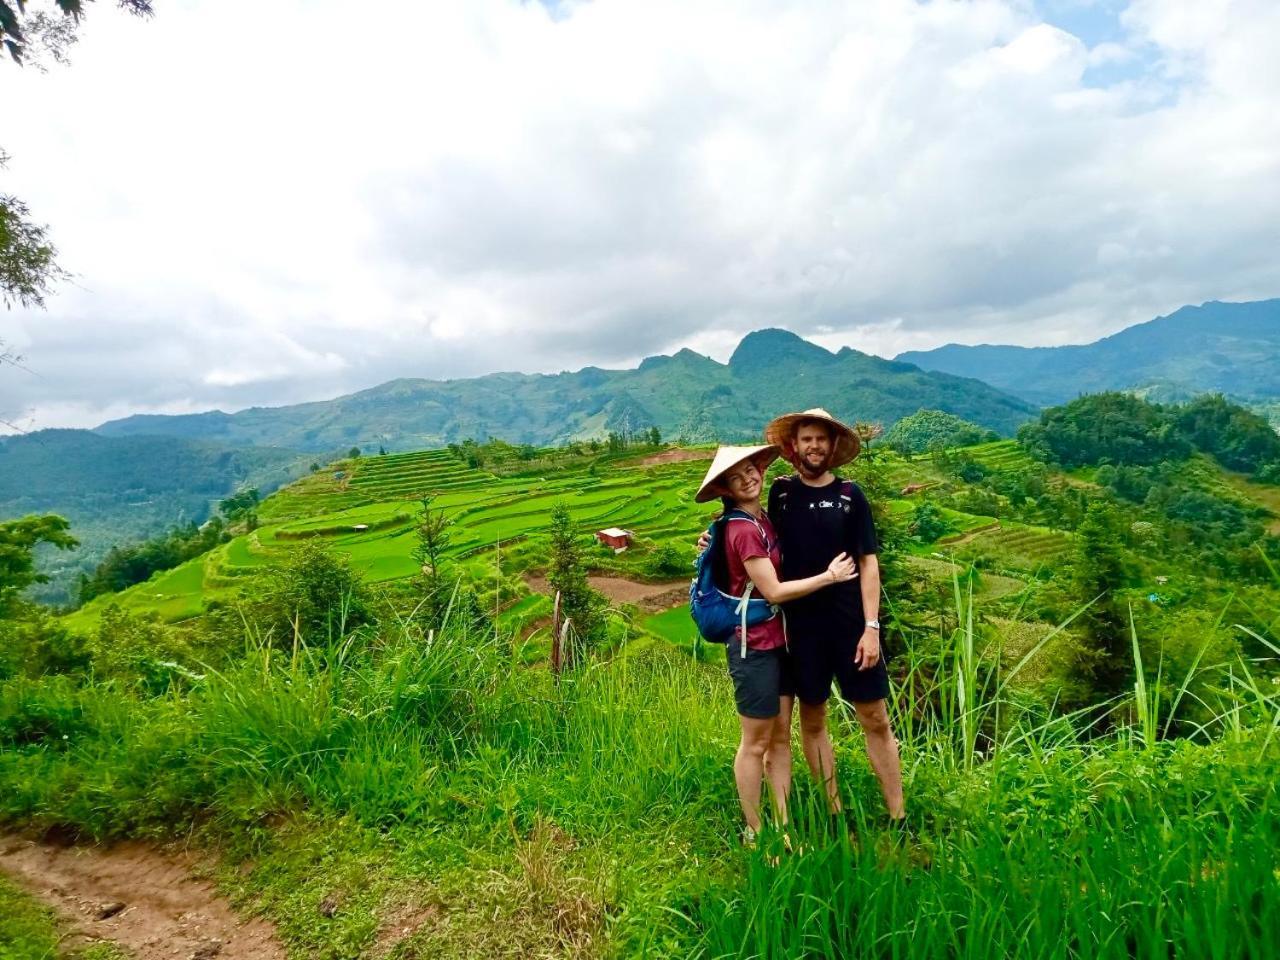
[845,442]
[729,457]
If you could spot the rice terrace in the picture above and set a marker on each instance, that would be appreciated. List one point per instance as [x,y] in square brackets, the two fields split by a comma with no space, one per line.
[539,479]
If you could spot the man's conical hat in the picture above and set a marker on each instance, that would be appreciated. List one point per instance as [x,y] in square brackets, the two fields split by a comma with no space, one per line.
[726,459]
[845,442]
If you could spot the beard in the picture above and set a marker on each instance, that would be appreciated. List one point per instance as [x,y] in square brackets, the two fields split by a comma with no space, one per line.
[811,467]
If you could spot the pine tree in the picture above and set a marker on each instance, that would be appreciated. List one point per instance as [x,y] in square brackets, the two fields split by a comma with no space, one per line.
[579,603]
[433,539]
[1098,574]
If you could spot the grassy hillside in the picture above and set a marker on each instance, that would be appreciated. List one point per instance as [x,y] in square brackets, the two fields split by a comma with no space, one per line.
[489,513]
[415,789]
[400,794]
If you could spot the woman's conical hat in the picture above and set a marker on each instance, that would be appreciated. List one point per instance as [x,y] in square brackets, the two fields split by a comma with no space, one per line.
[845,442]
[729,457]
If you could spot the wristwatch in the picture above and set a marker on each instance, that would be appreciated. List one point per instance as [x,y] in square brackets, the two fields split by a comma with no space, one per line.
[873,624]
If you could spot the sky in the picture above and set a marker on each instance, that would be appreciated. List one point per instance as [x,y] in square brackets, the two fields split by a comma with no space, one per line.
[267,203]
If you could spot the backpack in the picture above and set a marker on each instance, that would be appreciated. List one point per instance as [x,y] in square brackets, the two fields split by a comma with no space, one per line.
[715,612]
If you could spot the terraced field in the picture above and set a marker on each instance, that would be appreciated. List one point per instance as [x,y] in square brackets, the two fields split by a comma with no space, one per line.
[1000,456]
[1020,546]
[367,509]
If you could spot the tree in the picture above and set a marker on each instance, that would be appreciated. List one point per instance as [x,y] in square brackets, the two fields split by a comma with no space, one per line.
[18,542]
[28,265]
[655,436]
[928,523]
[314,592]
[433,538]
[354,453]
[668,561]
[579,603]
[239,506]
[1098,575]
[19,32]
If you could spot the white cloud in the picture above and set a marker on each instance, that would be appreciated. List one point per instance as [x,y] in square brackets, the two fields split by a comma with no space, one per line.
[272,202]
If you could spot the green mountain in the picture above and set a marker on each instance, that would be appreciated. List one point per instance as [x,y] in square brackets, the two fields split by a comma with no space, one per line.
[120,489]
[1230,348]
[685,395]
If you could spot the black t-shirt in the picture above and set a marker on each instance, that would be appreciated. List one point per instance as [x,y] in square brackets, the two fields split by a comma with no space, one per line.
[814,525]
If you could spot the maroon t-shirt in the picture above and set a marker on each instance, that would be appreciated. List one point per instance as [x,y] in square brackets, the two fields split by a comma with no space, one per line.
[742,542]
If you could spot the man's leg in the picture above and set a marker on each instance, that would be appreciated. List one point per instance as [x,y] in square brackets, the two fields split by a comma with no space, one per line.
[748,765]
[777,760]
[818,752]
[882,751]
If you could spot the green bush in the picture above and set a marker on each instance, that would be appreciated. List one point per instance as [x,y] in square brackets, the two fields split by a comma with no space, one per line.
[313,594]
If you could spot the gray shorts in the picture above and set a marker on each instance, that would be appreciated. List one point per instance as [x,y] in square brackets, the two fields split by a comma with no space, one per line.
[760,679]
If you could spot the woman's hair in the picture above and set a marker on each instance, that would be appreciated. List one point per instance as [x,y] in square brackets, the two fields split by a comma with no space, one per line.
[727,503]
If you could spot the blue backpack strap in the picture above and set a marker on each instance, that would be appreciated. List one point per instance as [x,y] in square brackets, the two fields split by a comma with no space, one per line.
[744,602]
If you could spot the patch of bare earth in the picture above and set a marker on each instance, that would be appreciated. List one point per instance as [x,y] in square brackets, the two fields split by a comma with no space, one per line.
[146,901]
[648,596]
[674,456]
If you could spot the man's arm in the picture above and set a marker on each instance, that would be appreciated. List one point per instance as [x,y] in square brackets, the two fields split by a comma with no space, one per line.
[868,653]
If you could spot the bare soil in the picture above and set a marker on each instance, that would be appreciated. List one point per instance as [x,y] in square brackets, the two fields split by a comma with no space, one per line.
[675,456]
[648,596]
[146,901]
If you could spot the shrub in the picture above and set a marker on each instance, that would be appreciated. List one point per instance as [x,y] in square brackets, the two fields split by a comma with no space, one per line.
[314,593]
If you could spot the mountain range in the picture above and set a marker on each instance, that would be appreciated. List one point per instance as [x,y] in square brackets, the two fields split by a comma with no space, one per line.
[686,395]
[136,476]
[1229,348]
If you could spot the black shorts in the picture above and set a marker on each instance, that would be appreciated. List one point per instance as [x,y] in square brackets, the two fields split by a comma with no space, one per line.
[760,679]
[818,657]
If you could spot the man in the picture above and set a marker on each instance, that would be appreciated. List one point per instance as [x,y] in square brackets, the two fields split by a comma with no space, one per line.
[834,633]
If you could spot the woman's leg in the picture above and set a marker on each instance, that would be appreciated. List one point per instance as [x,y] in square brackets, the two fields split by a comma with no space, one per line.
[748,765]
[777,760]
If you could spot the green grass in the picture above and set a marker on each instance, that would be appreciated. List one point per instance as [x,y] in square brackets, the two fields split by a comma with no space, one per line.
[595,814]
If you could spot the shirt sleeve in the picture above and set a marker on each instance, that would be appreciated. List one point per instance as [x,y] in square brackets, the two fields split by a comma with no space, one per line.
[744,541]
[862,528]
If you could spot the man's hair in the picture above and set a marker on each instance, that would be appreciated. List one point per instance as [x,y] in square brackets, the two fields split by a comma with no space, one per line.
[811,422]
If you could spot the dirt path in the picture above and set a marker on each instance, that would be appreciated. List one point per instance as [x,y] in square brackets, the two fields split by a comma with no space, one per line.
[675,456]
[648,596]
[146,901]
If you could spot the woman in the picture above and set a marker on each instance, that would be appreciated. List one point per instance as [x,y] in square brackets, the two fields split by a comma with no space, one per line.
[763,686]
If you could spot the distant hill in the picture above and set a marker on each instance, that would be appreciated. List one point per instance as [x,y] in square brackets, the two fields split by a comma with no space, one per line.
[685,395]
[120,489]
[1230,348]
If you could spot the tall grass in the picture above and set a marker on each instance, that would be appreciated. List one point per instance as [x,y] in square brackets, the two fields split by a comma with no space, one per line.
[1045,842]
[1031,840]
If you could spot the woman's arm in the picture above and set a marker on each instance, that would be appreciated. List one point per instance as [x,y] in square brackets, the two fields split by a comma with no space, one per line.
[765,578]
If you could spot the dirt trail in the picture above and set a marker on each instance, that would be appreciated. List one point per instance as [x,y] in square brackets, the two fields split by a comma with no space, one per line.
[146,901]
[648,596]
[675,456]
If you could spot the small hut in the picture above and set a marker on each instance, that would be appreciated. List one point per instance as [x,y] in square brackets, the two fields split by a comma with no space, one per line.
[614,537]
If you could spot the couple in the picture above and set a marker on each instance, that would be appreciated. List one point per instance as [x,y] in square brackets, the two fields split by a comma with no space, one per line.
[813,551]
